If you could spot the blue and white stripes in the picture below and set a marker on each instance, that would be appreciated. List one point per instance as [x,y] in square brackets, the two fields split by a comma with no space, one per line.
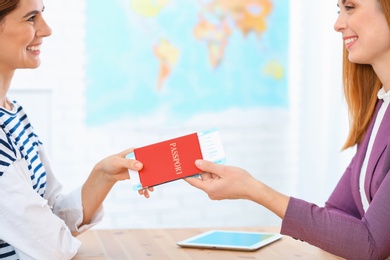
[7,252]
[20,142]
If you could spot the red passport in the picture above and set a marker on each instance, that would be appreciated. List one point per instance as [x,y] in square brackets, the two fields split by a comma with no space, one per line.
[173,159]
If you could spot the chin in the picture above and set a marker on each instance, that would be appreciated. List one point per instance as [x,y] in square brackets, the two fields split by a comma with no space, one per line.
[357,60]
[33,66]
[354,60]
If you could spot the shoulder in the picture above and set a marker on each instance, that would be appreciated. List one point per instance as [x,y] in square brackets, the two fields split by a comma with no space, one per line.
[7,152]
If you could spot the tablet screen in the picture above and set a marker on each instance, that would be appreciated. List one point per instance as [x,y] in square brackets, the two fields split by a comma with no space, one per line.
[234,240]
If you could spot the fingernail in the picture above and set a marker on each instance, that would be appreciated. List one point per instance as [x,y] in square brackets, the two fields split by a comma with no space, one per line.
[138,165]
[198,162]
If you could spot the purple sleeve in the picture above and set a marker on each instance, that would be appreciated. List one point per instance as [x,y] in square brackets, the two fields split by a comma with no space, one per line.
[338,227]
[341,198]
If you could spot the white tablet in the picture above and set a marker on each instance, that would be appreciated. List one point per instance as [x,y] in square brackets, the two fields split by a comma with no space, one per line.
[231,240]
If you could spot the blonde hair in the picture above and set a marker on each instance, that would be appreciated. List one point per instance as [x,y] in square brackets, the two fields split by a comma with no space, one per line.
[361,85]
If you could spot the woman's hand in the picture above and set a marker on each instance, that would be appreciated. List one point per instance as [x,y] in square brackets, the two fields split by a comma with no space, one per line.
[221,181]
[116,167]
[229,182]
[103,177]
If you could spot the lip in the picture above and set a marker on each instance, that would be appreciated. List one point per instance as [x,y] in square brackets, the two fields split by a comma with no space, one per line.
[34,48]
[349,41]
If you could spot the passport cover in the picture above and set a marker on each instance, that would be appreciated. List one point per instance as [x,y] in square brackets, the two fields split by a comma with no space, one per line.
[175,158]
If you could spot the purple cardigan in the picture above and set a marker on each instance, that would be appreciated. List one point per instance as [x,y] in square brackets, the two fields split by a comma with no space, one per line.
[342,227]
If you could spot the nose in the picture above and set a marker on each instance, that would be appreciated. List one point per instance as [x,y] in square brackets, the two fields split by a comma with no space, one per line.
[43,29]
[340,23]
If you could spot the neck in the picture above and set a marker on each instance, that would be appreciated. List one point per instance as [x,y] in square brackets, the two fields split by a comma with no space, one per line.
[6,104]
[382,71]
[5,82]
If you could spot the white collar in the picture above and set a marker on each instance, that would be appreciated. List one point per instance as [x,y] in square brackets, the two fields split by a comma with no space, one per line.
[382,94]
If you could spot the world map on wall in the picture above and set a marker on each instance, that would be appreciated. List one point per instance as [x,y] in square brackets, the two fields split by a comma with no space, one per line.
[184,58]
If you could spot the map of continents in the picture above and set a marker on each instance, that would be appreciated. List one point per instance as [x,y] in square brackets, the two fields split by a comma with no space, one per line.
[184,58]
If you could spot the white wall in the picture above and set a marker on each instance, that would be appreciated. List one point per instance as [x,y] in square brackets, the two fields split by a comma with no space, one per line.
[295,151]
[320,111]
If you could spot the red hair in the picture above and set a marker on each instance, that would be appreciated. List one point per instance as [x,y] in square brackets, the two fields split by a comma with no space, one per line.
[361,86]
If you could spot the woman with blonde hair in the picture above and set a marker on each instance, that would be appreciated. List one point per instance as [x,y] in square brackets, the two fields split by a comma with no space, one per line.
[354,223]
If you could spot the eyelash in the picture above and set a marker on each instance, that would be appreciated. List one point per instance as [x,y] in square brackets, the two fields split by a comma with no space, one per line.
[347,8]
[31,19]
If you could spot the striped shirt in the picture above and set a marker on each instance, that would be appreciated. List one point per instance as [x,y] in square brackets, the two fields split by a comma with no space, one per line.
[7,252]
[18,141]
[36,219]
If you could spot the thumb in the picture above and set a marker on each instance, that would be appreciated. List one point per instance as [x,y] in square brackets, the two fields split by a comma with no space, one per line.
[196,182]
[210,167]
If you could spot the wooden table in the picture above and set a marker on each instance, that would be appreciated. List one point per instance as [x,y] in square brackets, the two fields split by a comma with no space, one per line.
[161,244]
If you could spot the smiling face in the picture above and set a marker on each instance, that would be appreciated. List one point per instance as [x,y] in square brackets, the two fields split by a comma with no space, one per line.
[21,34]
[365,31]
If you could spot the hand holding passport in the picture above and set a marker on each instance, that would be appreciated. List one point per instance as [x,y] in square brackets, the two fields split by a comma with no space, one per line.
[175,158]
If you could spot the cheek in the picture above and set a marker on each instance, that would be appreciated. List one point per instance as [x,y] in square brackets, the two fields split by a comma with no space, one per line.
[14,41]
[386,38]
[377,24]
[381,35]
[21,37]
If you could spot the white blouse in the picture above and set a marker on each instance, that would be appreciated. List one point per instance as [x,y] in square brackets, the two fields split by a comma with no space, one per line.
[36,219]
[386,100]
